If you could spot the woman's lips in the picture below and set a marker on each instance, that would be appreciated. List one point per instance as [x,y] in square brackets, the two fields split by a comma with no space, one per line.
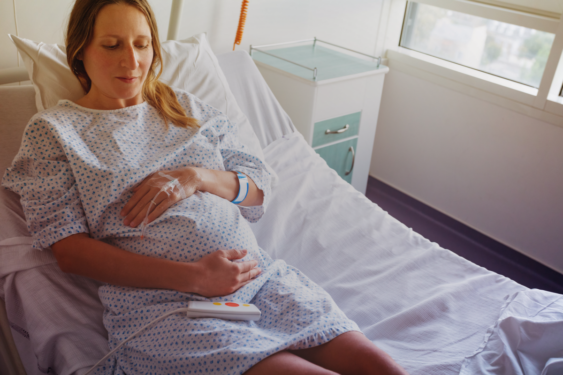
[127,80]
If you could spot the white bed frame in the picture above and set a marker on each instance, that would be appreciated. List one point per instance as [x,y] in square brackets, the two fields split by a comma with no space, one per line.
[10,362]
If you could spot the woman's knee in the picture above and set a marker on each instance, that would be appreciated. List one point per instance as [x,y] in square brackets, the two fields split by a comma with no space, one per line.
[369,359]
[358,355]
[287,363]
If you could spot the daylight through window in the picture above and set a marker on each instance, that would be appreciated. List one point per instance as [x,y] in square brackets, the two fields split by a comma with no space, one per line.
[513,52]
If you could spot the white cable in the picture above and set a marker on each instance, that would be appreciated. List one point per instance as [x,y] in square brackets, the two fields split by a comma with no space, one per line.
[183,309]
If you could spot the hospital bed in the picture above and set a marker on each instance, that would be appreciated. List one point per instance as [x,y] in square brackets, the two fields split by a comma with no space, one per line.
[431,310]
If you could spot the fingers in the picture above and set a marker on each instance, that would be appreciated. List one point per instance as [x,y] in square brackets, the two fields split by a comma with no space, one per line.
[222,276]
[139,212]
[234,254]
[155,208]
[140,201]
[248,271]
[253,273]
[160,209]
[250,276]
[247,266]
[132,203]
[139,191]
[149,196]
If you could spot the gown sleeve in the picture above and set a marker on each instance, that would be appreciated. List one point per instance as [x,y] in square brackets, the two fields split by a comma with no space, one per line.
[218,130]
[42,176]
[237,157]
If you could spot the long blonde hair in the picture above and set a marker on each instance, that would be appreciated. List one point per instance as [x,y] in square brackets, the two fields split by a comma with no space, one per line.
[79,34]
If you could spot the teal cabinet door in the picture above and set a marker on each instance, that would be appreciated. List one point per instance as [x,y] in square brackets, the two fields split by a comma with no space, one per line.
[336,129]
[340,157]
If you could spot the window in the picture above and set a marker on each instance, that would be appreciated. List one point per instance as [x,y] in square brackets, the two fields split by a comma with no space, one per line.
[510,51]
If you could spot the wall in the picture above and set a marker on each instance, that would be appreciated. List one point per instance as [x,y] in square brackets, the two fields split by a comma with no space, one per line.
[497,171]
[46,21]
[353,23]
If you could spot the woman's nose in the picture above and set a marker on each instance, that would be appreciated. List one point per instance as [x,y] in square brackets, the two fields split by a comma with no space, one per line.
[130,59]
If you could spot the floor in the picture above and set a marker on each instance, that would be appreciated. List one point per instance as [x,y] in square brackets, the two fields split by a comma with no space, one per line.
[462,240]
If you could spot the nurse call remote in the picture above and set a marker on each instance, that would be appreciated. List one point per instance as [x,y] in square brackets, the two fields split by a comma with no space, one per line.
[223,310]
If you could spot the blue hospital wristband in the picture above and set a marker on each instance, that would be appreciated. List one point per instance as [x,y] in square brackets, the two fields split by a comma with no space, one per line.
[243,188]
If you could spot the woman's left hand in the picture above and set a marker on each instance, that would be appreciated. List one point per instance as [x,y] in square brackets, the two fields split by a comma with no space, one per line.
[159,191]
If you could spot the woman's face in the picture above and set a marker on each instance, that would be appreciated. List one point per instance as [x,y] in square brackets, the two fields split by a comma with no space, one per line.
[118,57]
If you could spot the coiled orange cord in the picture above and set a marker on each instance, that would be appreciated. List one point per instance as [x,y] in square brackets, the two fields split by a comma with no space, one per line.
[241,22]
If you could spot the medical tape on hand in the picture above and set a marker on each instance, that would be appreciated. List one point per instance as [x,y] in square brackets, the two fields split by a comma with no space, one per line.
[174,183]
[168,189]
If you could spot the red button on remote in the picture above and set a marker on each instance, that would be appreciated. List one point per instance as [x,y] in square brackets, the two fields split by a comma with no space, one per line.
[231,304]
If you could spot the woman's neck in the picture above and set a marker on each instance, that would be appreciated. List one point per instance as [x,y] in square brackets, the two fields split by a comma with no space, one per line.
[103,102]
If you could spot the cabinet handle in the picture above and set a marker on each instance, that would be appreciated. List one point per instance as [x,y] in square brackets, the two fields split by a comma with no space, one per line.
[346,127]
[353,160]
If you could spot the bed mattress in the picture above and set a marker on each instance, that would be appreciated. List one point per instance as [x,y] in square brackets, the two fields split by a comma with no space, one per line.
[431,310]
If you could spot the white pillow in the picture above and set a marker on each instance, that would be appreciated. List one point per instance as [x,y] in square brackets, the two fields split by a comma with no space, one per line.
[190,65]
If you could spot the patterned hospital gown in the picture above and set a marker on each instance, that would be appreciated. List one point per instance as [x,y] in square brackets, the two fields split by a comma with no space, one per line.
[75,171]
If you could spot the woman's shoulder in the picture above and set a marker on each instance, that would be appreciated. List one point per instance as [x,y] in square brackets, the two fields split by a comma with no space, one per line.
[186,99]
[46,115]
[63,109]
[57,116]
[184,96]
[194,106]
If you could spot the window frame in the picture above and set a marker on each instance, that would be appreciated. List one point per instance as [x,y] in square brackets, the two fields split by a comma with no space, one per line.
[544,103]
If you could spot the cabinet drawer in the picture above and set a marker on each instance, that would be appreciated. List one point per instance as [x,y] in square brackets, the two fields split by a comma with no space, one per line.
[340,157]
[320,136]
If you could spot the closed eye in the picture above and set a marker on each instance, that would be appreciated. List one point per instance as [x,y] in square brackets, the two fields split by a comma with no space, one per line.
[115,46]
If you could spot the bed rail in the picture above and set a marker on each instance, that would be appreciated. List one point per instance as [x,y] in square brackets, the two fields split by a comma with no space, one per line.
[12,75]
[8,351]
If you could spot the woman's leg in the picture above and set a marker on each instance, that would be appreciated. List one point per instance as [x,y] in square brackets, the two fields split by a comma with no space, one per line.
[284,363]
[351,353]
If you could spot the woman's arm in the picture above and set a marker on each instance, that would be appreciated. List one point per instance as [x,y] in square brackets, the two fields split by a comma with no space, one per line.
[226,185]
[157,194]
[213,275]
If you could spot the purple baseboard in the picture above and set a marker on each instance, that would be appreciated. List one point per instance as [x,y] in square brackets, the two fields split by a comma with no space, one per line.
[463,240]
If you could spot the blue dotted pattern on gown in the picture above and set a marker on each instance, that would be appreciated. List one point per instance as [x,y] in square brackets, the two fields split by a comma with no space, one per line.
[75,171]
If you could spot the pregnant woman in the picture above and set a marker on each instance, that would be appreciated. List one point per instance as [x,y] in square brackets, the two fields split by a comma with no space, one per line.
[134,184]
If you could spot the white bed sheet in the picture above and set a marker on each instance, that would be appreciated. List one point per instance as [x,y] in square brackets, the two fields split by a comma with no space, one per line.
[267,117]
[433,311]
[430,309]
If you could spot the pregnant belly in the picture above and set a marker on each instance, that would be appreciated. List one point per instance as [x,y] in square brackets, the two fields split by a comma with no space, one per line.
[192,228]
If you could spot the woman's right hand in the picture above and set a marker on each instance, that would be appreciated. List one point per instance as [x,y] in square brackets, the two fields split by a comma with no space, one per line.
[220,276]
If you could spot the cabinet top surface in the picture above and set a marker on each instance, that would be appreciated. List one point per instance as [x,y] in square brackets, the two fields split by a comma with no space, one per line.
[329,63]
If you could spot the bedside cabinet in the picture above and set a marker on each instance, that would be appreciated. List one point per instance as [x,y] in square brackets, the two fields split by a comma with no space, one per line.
[332,95]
